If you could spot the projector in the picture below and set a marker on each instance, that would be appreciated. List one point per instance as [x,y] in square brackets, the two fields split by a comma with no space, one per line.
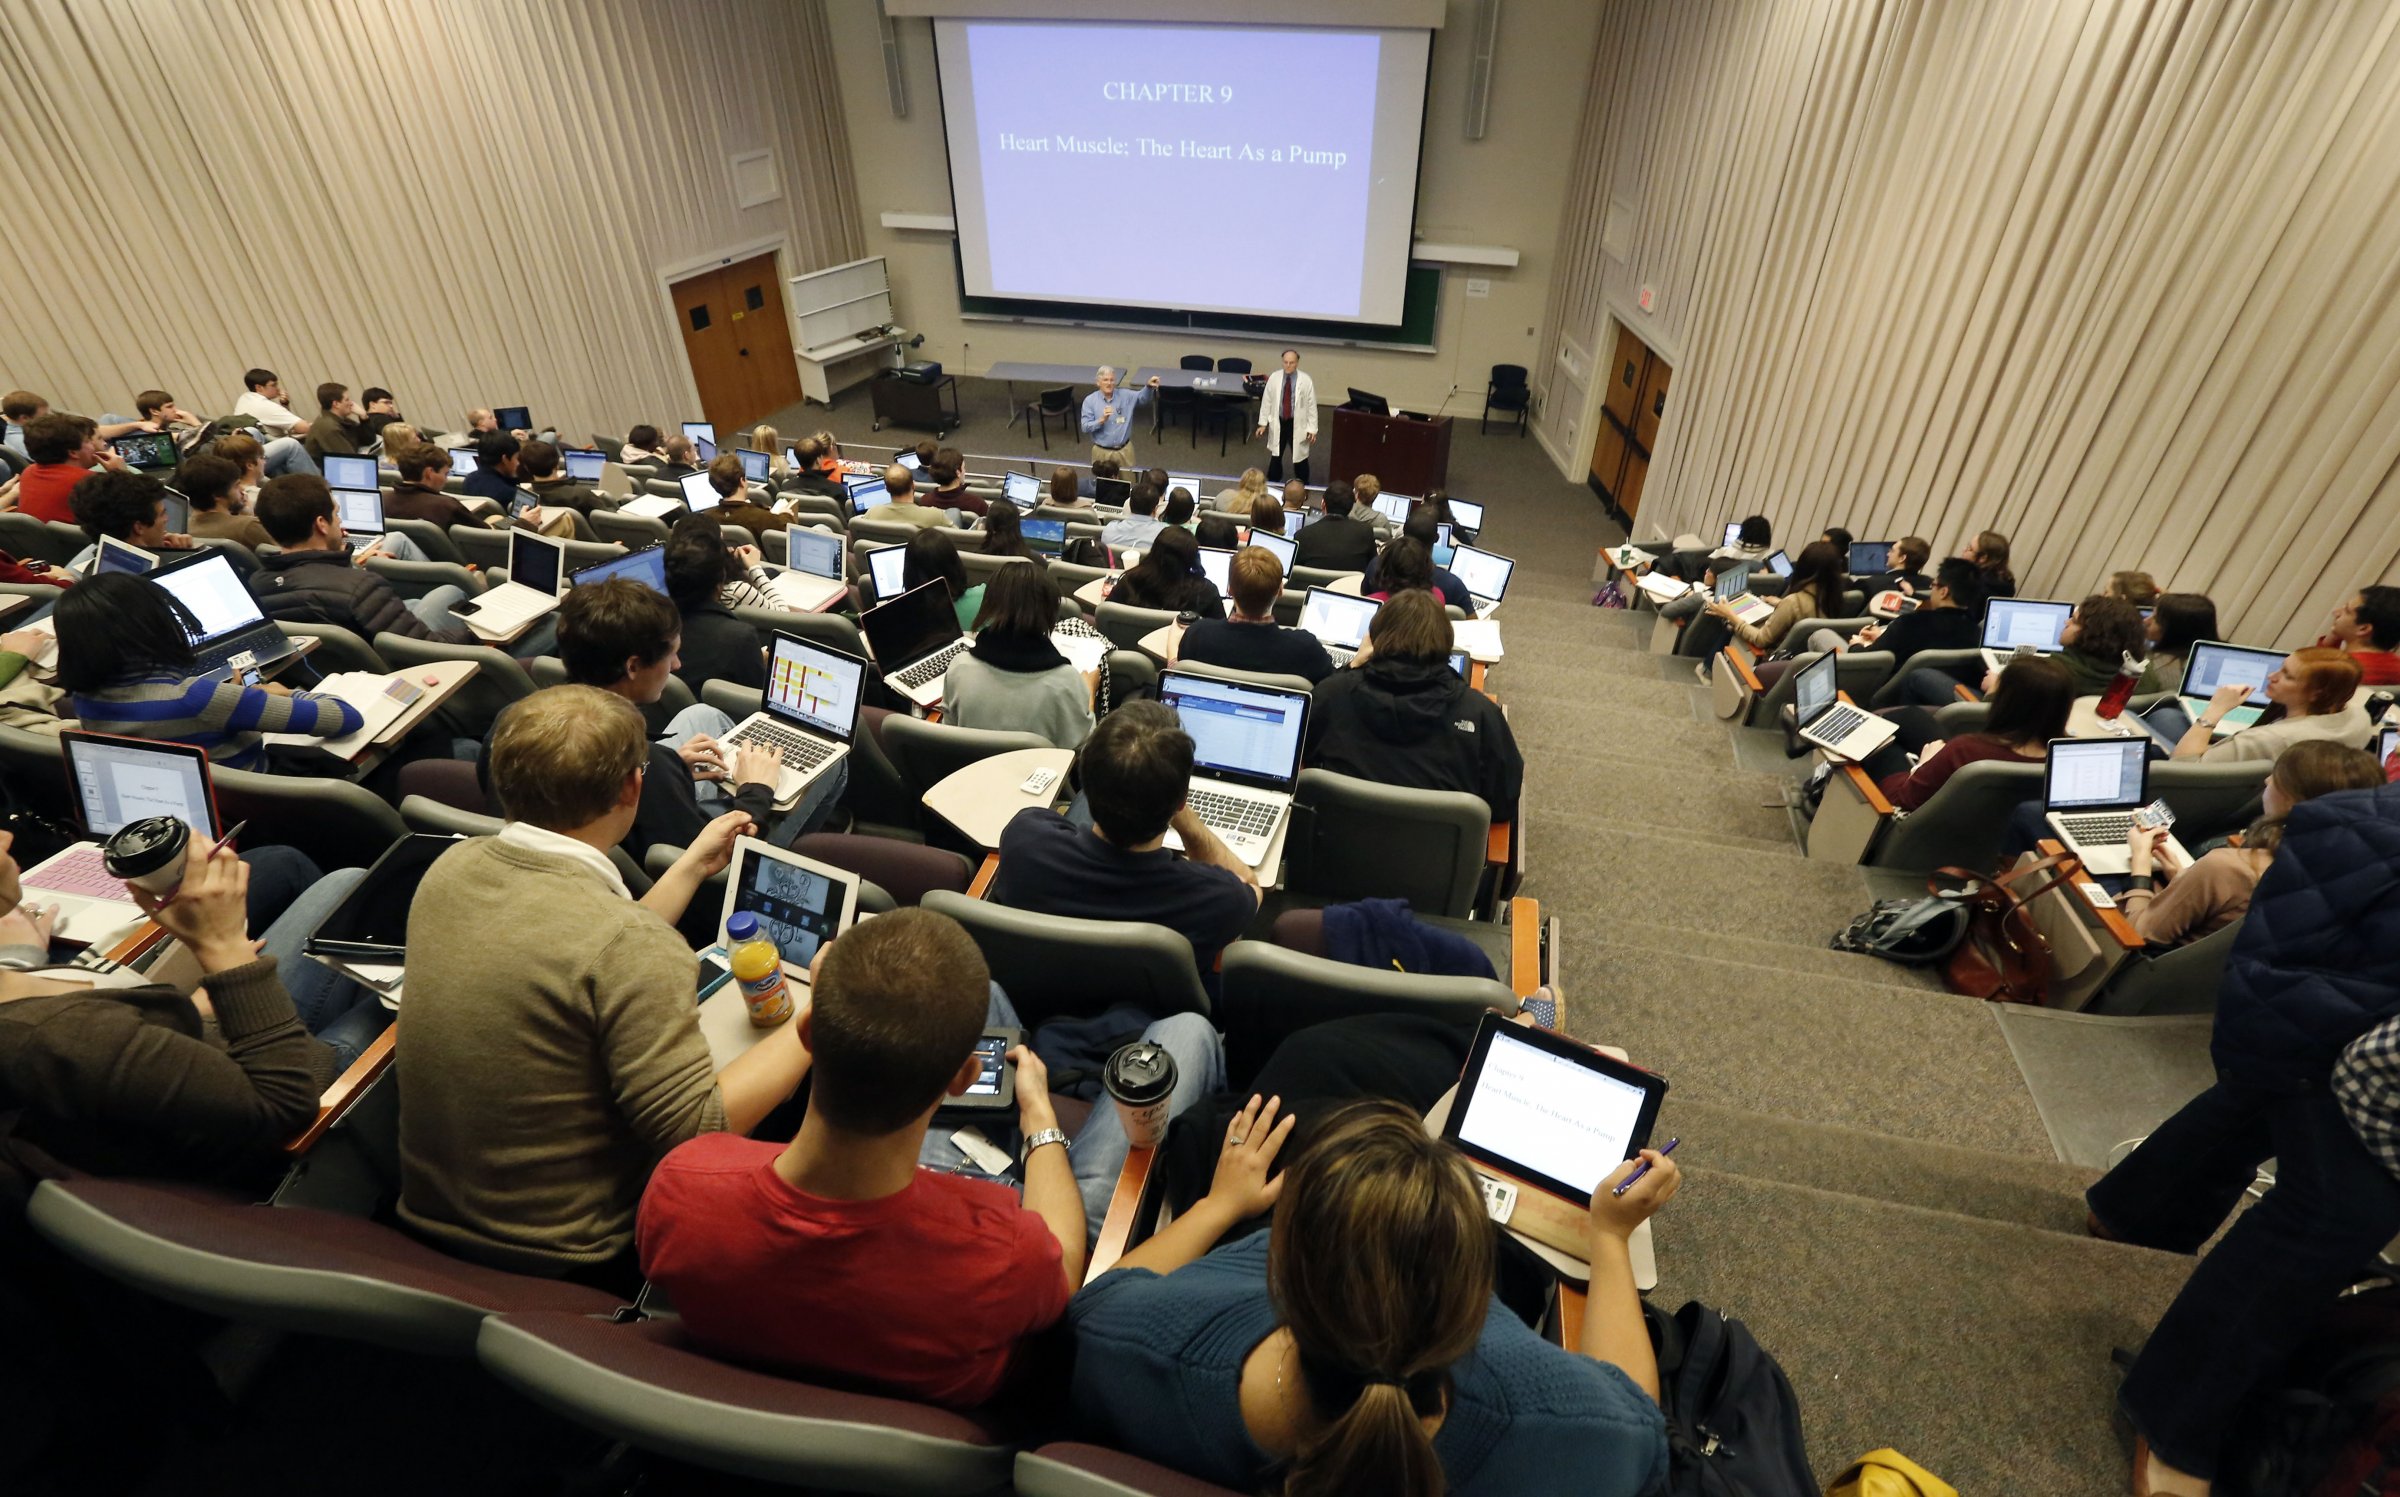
[924,373]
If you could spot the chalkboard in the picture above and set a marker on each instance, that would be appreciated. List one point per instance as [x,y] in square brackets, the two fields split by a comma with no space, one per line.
[1419,311]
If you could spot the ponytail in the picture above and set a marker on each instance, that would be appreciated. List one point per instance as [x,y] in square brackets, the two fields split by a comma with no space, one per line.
[1377,1444]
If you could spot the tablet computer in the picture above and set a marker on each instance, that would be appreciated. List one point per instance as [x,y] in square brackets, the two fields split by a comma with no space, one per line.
[995,1085]
[800,903]
[1542,1108]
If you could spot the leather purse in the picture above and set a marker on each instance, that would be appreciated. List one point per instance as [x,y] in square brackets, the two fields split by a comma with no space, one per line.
[2004,957]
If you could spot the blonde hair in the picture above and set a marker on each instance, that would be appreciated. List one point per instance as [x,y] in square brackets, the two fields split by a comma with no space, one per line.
[398,437]
[766,439]
[559,758]
[1253,483]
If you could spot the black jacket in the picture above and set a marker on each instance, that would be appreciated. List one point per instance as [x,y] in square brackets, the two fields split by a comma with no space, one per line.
[322,587]
[719,647]
[1338,544]
[1415,724]
[1931,629]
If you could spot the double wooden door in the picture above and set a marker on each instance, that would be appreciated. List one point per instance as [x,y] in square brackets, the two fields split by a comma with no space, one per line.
[1637,398]
[738,341]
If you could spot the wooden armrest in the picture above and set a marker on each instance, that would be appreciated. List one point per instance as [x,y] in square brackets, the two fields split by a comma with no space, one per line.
[1966,693]
[1570,1314]
[1868,791]
[1524,946]
[2111,918]
[140,942]
[1499,844]
[346,1089]
[1124,1208]
[1735,657]
[981,887]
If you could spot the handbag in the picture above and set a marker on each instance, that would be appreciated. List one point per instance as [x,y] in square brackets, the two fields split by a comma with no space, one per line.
[1888,1473]
[2004,956]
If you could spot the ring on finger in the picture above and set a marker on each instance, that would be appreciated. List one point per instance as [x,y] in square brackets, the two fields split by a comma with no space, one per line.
[1235,1140]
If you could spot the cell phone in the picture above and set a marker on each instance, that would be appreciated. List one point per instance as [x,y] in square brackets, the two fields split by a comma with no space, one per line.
[2156,816]
[714,973]
[466,605]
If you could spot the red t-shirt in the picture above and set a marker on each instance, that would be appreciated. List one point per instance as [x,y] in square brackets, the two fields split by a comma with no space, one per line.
[927,1293]
[43,488]
[2377,667]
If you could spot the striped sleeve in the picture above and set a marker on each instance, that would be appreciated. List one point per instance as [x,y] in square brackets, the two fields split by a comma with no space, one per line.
[235,708]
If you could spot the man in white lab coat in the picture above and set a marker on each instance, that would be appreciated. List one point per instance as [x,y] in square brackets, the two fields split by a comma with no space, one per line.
[1287,418]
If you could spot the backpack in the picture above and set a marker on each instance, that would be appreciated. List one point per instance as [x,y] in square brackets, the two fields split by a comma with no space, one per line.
[1888,1473]
[1912,932]
[1733,1424]
[2328,1424]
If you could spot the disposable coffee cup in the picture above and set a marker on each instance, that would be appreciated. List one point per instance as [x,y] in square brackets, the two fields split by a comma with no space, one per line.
[149,854]
[1141,1078]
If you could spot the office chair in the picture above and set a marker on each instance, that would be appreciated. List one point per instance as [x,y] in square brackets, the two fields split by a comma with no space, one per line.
[1072,579]
[2180,980]
[1357,839]
[629,530]
[1059,402]
[1233,366]
[337,823]
[431,539]
[927,753]
[1174,401]
[23,535]
[499,680]
[1065,1469]
[1247,678]
[1267,993]
[982,568]
[414,579]
[1126,626]
[1963,822]
[1058,966]
[338,649]
[836,630]
[1505,392]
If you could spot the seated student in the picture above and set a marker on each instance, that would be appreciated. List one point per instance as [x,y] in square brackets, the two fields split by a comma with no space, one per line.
[1266,513]
[1419,533]
[2101,632]
[678,458]
[1013,679]
[128,506]
[1245,493]
[1365,489]
[539,463]
[160,412]
[1003,534]
[2313,694]
[125,662]
[1249,639]
[63,449]
[2177,622]
[541,1075]
[316,577]
[210,484]
[2214,891]
[714,645]
[397,437]
[1177,508]
[948,484]
[16,408]
[2030,700]
[1335,542]
[2367,627]
[1401,716]
[332,431]
[747,573]
[1137,771]
[1949,618]
[1169,577]
[263,402]
[931,554]
[641,447]
[1814,590]
[378,410]
[735,506]
[766,439]
[1217,533]
[2138,588]
[1989,551]
[808,475]
[1358,1346]
[1692,563]
[499,470]
[829,454]
[1138,525]
[904,508]
[1904,569]
[1067,491]
[419,494]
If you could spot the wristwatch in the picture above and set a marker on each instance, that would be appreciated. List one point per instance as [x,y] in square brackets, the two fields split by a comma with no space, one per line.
[1056,1136]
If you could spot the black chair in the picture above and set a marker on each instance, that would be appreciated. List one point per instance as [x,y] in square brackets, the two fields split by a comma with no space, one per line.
[1233,366]
[1172,401]
[1507,392]
[1060,403]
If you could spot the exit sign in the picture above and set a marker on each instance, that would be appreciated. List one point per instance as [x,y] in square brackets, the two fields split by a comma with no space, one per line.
[1648,296]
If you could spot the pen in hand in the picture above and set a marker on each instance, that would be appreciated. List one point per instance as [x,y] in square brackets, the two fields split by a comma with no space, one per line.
[1643,1168]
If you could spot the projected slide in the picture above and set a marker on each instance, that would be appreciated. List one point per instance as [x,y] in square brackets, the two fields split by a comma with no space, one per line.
[1211,168]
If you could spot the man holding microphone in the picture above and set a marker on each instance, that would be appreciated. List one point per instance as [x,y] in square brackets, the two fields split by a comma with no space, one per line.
[1287,418]
[1108,418]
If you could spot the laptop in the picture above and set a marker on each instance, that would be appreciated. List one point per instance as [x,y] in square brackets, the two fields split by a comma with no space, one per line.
[1216,564]
[1733,590]
[1443,546]
[1733,535]
[2387,743]
[2212,664]
[1338,620]
[705,448]
[1044,537]
[887,568]
[536,576]
[150,451]
[175,512]
[1778,564]
[1190,483]
[361,510]
[513,417]
[866,494]
[1821,717]
[1245,756]
[1113,492]
[647,566]
[1463,663]
[123,556]
[755,465]
[906,458]
[2090,789]
[230,623]
[1280,546]
[699,495]
[583,466]
[1868,558]
[116,781]
[1022,490]
[343,471]
[815,576]
[808,709]
[1469,516]
[700,432]
[1394,507]
[913,638]
[462,461]
[1297,520]
[1484,574]
[2011,624]
[800,903]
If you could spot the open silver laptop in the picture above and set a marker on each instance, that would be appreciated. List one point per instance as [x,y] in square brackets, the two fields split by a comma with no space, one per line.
[343,471]
[1830,723]
[808,710]
[814,578]
[1338,620]
[361,511]
[1484,574]
[1733,590]
[1245,757]
[913,638]
[2212,664]
[2012,624]
[116,781]
[2090,790]
[1280,547]
[537,575]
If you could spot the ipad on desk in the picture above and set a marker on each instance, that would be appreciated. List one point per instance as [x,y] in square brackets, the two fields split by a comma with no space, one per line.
[800,903]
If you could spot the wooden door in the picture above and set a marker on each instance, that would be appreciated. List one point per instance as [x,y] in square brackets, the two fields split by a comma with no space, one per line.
[1625,376]
[738,342]
[1652,404]
[1608,458]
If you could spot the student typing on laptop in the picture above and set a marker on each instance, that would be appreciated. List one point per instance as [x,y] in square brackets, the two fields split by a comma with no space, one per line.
[1401,716]
[2029,706]
[1013,678]
[2313,694]
[126,505]
[1249,639]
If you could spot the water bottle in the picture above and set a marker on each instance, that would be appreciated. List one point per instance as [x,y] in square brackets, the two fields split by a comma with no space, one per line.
[758,967]
[2120,689]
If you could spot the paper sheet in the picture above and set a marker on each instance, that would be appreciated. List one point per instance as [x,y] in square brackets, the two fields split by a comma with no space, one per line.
[1480,638]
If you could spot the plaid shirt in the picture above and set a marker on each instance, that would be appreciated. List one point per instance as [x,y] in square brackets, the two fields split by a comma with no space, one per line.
[2366,1081]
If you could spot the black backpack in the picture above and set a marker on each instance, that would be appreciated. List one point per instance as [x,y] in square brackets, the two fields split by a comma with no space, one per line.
[1913,932]
[2330,1421]
[1733,1424]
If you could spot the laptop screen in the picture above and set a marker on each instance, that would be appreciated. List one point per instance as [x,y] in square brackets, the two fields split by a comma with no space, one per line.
[1869,557]
[513,417]
[123,556]
[2011,622]
[911,626]
[1337,618]
[1467,514]
[361,510]
[906,459]
[1216,564]
[1733,533]
[1048,537]
[1190,483]
[701,431]
[462,461]
[1393,507]
[1111,491]
[1297,520]
[122,780]
[345,472]
[2096,774]
[1814,689]
[867,494]
[1732,582]
[699,495]
[1250,732]
[1483,573]
[2387,743]
[584,467]
[647,566]
[706,448]
[176,513]
[888,566]
[1023,489]
[755,465]
[815,552]
[1779,564]
[1280,547]
[813,684]
[535,561]
[213,591]
[1461,662]
[2212,665]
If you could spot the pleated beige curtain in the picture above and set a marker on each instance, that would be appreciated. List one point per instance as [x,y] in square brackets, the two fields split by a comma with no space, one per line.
[2117,279]
[467,201]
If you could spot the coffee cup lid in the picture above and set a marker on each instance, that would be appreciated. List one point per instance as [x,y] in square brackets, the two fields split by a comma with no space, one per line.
[1141,1069]
[144,846]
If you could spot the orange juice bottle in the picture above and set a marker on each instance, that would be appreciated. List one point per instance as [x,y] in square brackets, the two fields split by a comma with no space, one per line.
[758,967]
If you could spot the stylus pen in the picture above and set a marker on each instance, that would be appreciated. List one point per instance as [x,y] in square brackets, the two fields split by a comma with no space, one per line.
[227,840]
[1643,1168]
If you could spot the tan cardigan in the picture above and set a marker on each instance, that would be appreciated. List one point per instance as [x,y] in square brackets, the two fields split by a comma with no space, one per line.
[1790,609]
[549,1054]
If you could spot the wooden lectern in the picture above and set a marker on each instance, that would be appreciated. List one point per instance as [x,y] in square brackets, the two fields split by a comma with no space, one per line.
[1407,456]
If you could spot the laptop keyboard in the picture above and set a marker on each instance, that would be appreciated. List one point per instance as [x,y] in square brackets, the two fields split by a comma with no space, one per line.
[1233,815]
[929,670]
[1340,655]
[1837,722]
[801,753]
[85,872]
[2111,827]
